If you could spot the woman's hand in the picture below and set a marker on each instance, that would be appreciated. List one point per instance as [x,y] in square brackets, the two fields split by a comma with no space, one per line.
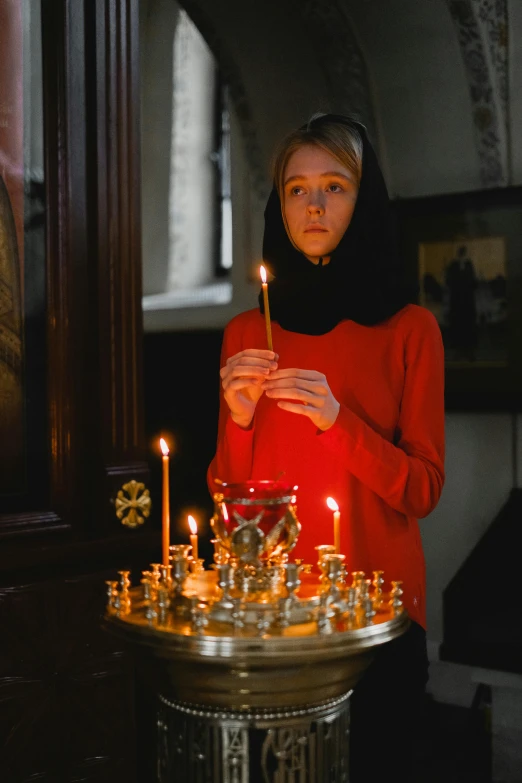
[242,378]
[310,388]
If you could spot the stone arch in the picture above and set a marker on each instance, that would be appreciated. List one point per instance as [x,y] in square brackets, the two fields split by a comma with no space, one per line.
[232,76]
[344,63]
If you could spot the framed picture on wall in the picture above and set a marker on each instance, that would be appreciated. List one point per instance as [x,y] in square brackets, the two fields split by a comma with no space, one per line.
[464,285]
[465,251]
[24,452]
[12,455]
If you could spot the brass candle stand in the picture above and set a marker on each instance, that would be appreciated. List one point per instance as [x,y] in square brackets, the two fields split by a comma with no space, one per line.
[254,659]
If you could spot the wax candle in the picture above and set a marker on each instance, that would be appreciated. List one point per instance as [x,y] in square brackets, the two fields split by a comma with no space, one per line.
[268,324]
[193,536]
[332,505]
[165,518]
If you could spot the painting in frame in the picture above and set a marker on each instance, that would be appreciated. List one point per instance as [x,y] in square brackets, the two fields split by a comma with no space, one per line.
[463,284]
[465,252]
[23,452]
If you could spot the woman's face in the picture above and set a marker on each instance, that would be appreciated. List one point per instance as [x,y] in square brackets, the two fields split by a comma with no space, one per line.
[319,200]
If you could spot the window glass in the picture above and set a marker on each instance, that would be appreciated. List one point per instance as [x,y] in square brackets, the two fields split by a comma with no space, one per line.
[187,209]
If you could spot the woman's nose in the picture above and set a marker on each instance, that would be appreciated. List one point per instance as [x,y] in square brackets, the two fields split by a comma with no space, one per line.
[315,204]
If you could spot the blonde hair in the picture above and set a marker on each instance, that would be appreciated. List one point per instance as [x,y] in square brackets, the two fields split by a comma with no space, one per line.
[339,137]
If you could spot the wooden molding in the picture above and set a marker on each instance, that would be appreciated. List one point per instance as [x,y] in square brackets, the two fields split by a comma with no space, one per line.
[31,522]
[93,266]
[64,112]
[114,104]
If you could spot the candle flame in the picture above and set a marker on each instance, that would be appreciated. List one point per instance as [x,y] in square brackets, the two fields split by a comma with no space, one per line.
[164,447]
[262,272]
[192,525]
[332,505]
[225,512]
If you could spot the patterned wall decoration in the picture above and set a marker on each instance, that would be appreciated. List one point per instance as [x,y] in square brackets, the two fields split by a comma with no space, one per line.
[344,64]
[493,15]
[482,28]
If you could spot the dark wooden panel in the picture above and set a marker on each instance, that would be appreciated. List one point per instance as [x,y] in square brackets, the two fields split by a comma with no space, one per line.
[114,143]
[66,687]
[67,258]
[54,328]
[67,692]
[91,416]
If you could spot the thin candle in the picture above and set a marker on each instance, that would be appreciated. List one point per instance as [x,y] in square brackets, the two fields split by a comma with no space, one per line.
[165,519]
[332,505]
[193,536]
[268,324]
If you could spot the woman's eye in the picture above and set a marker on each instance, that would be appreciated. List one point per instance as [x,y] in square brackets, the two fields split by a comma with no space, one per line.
[334,188]
[296,191]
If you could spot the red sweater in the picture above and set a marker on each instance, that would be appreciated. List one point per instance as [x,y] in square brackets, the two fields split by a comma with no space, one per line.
[382,460]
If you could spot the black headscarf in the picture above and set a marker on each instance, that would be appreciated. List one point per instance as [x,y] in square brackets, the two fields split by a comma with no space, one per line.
[362,282]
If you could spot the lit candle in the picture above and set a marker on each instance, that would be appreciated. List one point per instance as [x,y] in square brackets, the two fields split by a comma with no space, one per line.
[193,536]
[165,520]
[268,325]
[330,502]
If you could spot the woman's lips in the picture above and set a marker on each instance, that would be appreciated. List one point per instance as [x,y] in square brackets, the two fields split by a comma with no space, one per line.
[315,230]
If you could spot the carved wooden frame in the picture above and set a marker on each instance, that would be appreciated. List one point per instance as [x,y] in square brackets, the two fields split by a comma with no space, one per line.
[93,268]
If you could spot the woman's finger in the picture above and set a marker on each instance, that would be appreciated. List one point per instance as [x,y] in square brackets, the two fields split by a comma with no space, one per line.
[254,353]
[241,371]
[296,394]
[315,387]
[306,375]
[236,384]
[252,362]
[254,365]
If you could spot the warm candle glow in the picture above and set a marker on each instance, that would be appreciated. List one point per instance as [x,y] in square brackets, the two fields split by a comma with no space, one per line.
[268,325]
[193,537]
[165,516]
[192,525]
[332,505]
[225,512]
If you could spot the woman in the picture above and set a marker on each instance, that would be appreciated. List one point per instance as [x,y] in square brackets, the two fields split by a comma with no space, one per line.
[350,405]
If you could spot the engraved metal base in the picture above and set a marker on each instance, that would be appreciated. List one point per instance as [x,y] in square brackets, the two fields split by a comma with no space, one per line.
[304,745]
[271,649]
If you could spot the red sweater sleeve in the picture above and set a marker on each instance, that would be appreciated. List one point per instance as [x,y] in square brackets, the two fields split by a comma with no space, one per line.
[233,458]
[409,476]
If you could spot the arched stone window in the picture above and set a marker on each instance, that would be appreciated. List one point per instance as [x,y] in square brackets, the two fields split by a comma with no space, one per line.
[186,194]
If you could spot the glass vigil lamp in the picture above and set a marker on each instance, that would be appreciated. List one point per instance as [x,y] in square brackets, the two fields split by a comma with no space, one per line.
[256,523]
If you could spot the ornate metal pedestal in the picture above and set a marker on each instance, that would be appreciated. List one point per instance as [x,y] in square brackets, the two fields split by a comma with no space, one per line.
[281,745]
[254,661]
